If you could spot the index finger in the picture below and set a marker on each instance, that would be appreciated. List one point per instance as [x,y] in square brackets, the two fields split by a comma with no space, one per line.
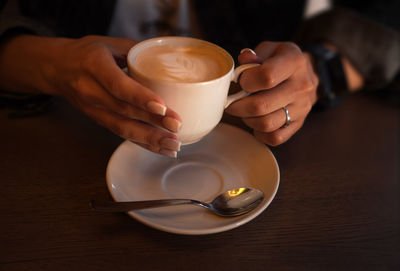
[275,69]
[117,83]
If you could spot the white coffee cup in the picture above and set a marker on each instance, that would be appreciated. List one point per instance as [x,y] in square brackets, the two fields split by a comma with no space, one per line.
[199,104]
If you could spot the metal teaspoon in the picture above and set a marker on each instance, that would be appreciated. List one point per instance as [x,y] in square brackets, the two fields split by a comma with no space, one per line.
[230,203]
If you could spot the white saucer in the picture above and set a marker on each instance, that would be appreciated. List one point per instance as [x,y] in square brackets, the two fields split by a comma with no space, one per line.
[227,158]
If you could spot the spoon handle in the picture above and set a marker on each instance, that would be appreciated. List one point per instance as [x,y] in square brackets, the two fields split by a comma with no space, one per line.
[111,206]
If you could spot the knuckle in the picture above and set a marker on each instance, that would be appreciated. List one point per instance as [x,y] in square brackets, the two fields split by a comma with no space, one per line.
[306,86]
[258,108]
[267,78]
[267,125]
[308,106]
[276,139]
[300,58]
[296,52]
[78,83]
[127,110]
[93,53]
[82,90]
[113,85]
[264,44]
[121,88]
[122,109]
[292,45]
[90,56]
[314,81]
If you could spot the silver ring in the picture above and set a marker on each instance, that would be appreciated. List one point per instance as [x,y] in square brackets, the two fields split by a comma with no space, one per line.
[287,117]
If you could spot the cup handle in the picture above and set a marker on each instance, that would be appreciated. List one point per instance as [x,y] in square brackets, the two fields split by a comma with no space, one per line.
[235,76]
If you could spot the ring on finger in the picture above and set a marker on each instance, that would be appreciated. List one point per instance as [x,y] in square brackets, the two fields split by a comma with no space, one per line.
[288,120]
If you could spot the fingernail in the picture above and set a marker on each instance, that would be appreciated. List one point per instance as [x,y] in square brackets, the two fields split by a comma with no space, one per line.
[171,144]
[169,153]
[157,108]
[248,50]
[172,124]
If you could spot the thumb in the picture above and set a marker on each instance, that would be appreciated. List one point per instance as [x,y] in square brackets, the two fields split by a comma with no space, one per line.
[247,55]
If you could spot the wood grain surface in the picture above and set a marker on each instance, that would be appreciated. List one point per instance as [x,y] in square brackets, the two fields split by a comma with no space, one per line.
[337,207]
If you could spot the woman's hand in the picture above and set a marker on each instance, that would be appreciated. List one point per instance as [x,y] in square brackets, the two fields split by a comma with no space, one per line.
[86,72]
[285,79]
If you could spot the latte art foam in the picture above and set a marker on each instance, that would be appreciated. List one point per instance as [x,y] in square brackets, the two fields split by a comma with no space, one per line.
[187,64]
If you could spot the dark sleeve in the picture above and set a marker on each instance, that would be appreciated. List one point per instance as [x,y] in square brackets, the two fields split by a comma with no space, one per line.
[372,47]
[12,22]
[66,18]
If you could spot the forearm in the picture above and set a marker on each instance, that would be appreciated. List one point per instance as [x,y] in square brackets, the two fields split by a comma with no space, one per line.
[367,47]
[354,79]
[27,63]
[336,74]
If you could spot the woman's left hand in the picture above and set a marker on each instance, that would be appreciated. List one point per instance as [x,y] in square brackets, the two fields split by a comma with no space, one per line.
[285,79]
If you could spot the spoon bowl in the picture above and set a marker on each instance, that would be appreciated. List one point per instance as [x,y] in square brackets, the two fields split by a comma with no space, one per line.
[233,202]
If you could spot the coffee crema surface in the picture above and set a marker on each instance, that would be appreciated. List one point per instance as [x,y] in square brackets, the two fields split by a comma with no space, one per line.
[183,64]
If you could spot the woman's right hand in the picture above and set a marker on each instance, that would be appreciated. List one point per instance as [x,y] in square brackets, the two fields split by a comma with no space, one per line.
[87,72]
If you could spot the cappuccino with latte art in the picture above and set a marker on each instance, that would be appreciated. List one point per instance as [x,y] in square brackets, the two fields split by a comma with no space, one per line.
[183,64]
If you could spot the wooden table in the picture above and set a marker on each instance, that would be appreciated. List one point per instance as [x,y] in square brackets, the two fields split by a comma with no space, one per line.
[337,207]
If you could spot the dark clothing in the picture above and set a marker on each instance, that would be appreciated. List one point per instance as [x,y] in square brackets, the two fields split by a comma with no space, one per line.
[367,32]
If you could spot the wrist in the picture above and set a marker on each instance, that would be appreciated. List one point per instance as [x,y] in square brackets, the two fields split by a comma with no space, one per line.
[328,66]
[355,81]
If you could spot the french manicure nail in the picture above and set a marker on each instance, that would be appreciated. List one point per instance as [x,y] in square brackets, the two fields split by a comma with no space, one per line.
[172,124]
[171,144]
[157,108]
[248,50]
[169,153]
